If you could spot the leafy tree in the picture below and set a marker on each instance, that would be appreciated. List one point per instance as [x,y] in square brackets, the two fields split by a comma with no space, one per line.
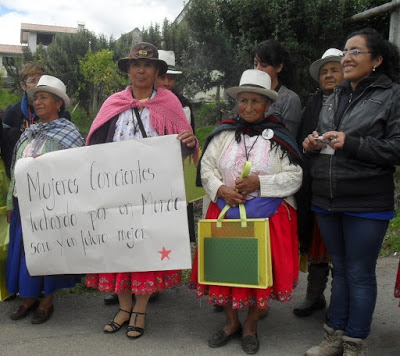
[64,55]
[225,32]
[101,75]
[153,35]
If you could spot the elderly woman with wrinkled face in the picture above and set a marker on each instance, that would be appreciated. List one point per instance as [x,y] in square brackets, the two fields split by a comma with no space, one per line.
[276,173]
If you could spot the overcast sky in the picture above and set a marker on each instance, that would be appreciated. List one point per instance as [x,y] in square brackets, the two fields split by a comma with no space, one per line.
[109,17]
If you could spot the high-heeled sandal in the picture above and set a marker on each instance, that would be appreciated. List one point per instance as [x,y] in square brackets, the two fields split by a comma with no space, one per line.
[114,325]
[136,328]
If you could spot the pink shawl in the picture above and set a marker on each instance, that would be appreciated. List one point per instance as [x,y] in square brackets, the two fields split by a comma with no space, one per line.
[166,113]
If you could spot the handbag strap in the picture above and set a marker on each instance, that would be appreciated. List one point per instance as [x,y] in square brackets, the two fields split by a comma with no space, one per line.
[140,122]
[242,210]
[246,169]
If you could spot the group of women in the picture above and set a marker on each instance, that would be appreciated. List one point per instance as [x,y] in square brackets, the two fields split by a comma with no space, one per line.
[353,151]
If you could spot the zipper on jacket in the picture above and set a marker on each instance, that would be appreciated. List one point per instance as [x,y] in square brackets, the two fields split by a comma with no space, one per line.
[351,97]
[372,101]
[337,129]
[344,113]
[355,100]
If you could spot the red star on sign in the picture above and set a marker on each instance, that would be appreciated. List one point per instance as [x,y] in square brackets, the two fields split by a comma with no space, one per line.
[164,253]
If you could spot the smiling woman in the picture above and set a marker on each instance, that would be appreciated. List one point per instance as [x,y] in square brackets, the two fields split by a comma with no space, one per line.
[352,183]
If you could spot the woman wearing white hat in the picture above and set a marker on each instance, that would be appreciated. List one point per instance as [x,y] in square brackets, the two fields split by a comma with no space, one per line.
[51,133]
[328,72]
[167,81]
[275,176]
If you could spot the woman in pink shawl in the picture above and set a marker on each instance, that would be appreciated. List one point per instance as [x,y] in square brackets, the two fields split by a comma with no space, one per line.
[138,112]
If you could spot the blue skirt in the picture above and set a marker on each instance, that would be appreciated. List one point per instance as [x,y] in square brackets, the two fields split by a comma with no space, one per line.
[17,276]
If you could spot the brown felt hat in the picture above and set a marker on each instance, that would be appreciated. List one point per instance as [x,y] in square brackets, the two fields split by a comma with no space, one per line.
[143,50]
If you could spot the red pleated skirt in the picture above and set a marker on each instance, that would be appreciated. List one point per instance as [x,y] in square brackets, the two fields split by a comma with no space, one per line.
[135,282]
[285,266]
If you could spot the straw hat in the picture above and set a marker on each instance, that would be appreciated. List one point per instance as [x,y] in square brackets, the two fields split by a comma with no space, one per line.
[169,58]
[143,50]
[330,55]
[50,84]
[254,81]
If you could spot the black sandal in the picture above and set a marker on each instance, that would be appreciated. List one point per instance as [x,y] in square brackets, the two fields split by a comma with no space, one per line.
[136,328]
[115,326]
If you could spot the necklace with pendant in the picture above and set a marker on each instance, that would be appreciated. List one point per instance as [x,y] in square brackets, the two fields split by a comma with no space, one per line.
[245,147]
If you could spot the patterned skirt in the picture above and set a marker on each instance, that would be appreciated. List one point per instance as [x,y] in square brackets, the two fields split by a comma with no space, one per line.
[135,282]
[285,266]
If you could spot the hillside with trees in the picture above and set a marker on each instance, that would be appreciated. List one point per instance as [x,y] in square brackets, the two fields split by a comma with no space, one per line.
[215,35]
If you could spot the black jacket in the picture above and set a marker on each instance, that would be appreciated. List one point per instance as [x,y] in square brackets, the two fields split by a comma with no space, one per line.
[359,177]
[305,217]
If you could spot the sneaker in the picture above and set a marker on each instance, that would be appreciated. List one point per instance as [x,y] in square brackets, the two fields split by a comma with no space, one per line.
[331,345]
[354,347]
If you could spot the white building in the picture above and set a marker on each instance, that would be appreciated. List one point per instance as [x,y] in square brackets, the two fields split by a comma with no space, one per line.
[32,36]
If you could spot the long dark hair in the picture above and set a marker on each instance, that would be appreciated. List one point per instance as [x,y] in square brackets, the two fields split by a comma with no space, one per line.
[273,53]
[381,47]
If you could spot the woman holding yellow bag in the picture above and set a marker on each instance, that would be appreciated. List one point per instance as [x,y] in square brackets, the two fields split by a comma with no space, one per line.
[268,190]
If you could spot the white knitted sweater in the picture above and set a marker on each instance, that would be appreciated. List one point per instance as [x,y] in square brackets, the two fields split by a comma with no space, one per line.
[283,181]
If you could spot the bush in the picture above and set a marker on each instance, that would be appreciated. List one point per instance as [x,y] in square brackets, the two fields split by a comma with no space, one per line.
[212,113]
[202,133]
[7,99]
[80,119]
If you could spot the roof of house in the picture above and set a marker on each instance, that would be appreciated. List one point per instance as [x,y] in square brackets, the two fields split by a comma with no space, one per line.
[29,27]
[10,49]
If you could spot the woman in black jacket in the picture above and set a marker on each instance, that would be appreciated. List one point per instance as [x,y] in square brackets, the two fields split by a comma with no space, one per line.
[354,152]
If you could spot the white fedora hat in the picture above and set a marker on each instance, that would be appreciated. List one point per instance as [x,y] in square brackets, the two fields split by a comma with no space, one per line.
[330,55]
[169,58]
[52,85]
[254,81]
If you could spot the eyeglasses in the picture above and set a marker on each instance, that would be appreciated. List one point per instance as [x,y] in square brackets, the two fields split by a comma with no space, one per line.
[354,52]
[32,81]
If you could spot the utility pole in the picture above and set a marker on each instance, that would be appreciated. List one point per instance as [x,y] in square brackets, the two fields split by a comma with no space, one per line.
[394,33]
[394,7]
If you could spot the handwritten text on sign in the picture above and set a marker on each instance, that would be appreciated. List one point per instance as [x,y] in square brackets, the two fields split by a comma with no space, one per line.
[115,207]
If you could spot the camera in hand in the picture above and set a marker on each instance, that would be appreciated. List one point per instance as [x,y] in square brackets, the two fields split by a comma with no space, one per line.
[320,140]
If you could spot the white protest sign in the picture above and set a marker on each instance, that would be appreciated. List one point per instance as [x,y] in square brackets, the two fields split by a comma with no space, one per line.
[114,207]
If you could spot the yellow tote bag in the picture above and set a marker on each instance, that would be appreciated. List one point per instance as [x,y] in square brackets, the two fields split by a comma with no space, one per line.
[235,252]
